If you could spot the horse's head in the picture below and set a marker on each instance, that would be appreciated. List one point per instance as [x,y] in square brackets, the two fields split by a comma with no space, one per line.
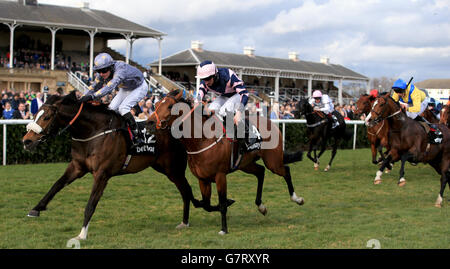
[47,120]
[302,108]
[162,114]
[364,104]
[384,107]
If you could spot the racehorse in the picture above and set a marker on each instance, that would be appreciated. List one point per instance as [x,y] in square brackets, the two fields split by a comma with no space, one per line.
[210,153]
[378,134]
[99,146]
[445,119]
[319,130]
[409,141]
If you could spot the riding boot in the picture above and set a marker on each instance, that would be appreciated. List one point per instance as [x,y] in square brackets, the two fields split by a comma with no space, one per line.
[134,127]
[432,130]
[252,139]
[334,120]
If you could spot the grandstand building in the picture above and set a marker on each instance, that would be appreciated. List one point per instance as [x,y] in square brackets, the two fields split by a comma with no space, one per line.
[281,79]
[40,43]
[439,89]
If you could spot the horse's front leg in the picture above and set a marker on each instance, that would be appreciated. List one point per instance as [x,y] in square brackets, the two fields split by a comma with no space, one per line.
[73,172]
[100,181]
[444,180]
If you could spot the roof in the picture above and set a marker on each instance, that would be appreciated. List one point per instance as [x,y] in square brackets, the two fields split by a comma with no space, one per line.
[71,18]
[434,84]
[240,61]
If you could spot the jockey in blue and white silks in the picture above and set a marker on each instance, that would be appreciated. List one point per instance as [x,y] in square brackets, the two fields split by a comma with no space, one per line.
[113,74]
[233,96]
[224,82]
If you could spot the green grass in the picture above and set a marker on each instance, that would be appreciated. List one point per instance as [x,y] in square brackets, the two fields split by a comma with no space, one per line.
[343,209]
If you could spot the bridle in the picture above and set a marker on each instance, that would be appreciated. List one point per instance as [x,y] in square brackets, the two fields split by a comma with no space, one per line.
[380,117]
[46,132]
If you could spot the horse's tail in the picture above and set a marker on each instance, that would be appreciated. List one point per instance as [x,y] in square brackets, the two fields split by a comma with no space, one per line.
[292,157]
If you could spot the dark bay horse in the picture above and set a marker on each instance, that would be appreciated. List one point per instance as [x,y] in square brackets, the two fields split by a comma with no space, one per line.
[409,141]
[377,134]
[99,146]
[210,152]
[320,131]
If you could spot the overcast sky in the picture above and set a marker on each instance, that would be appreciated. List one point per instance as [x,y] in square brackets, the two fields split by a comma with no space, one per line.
[396,38]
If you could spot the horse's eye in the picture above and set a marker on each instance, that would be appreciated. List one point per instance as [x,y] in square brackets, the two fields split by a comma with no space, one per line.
[170,106]
[47,118]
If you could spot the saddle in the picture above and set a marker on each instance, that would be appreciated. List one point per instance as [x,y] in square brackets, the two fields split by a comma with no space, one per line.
[148,135]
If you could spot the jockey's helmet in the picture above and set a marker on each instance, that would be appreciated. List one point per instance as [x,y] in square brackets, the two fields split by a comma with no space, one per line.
[317,94]
[206,69]
[399,86]
[374,93]
[102,61]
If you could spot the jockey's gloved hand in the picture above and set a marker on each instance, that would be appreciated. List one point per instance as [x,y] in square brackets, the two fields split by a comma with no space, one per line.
[86,98]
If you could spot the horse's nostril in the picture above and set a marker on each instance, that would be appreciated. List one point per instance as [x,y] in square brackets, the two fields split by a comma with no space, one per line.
[27,142]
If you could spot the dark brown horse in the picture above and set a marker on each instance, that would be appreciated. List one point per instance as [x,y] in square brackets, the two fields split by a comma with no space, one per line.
[210,151]
[377,134]
[320,131]
[444,116]
[409,141]
[99,146]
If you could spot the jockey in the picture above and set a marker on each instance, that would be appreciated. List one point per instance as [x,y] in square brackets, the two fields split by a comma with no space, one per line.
[432,107]
[322,102]
[131,84]
[233,96]
[414,101]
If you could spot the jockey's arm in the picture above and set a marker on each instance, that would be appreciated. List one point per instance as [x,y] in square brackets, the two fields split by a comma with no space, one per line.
[95,85]
[110,86]
[395,97]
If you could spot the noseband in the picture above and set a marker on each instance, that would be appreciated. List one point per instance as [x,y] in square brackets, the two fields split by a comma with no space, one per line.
[33,126]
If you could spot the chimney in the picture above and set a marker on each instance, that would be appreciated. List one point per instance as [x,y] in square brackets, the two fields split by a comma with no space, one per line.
[197,45]
[249,51]
[85,5]
[325,60]
[293,56]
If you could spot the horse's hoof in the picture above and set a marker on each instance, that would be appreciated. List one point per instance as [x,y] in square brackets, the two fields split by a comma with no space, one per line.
[387,171]
[327,168]
[230,202]
[262,209]
[401,182]
[377,181]
[222,233]
[34,213]
[182,225]
[438,205]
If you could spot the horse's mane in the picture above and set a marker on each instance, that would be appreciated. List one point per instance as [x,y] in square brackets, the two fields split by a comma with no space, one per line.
[187,100]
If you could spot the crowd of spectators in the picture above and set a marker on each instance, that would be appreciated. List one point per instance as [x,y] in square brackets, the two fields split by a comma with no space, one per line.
[21,105]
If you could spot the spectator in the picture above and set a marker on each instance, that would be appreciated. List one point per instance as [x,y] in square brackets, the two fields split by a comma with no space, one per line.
[36,103]
[21,113]
[275,114]
[8,112]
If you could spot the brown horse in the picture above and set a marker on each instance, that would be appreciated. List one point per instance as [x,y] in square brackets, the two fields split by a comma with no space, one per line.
[409,141]
[377,134]
[210,152]
[99,146]
[445,112]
